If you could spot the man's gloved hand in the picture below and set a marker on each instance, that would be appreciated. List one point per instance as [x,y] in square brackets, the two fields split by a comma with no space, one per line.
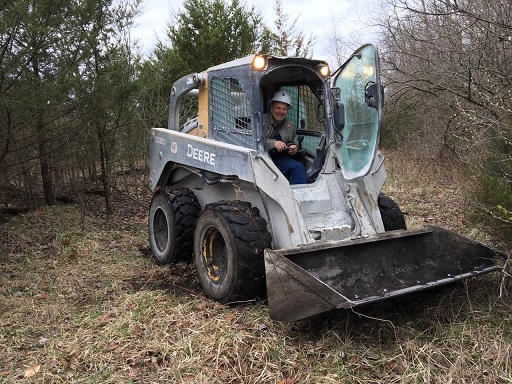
[292,148]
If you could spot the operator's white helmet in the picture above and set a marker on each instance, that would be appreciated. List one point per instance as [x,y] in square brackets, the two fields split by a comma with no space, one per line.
[282,97]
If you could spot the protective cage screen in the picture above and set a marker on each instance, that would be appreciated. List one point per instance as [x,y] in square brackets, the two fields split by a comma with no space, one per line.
[230,113]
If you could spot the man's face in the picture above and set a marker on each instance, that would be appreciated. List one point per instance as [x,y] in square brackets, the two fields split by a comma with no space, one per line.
[279,111]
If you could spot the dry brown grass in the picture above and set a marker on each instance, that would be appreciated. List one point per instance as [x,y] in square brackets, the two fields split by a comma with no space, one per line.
[81,302]
[431,192]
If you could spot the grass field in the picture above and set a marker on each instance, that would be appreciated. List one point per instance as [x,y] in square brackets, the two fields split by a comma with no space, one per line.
[82,302]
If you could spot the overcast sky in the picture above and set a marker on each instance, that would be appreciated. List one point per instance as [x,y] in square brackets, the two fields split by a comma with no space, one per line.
[316,17]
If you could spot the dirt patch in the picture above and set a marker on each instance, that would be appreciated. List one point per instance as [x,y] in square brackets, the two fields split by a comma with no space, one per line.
[176,279]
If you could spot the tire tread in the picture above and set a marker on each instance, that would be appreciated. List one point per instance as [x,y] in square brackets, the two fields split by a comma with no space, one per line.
[251,239]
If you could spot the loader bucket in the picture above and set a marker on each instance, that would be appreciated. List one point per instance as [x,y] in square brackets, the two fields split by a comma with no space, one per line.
[317,278]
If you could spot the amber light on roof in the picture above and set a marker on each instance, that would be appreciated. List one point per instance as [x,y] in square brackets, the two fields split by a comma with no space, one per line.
[324,70]
[259,63]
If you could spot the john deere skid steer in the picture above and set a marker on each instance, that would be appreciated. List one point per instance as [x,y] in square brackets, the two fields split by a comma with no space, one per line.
[333,242]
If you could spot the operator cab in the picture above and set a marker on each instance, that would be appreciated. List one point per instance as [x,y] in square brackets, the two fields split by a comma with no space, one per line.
[352,98]
[226,103]
[305,85]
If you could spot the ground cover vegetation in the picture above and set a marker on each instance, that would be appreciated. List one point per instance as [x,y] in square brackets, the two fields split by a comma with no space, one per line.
[82,301]
[80,298]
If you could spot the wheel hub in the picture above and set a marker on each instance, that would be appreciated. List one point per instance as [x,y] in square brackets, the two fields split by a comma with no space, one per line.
[214,253]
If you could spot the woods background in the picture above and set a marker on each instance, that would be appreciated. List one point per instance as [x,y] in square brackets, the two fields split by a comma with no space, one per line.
[77,99]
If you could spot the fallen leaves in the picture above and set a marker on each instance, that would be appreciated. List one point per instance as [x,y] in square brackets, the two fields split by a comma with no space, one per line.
[72,361]
[202,306]
[104,319]
[32,370]
[41,296]
[111,345]
[151,359]
[137,330]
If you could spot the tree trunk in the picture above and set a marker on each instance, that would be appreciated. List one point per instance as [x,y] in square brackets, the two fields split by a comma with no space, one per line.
[105,174]
[46,173]
[43,148]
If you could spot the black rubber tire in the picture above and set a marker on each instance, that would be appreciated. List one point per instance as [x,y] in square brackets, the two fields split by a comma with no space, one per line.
[229,241]
[172,218]
[392,216]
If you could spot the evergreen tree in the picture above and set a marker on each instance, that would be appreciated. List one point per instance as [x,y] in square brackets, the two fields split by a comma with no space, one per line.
[65,66]
[210,32]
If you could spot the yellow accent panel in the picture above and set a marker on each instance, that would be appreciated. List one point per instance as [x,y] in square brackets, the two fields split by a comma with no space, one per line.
[202,129]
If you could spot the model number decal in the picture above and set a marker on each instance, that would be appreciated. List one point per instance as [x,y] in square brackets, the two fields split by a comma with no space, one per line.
[159,140]
[201,155]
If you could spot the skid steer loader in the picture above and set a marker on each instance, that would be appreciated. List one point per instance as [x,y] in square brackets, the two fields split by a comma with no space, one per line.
[333,242]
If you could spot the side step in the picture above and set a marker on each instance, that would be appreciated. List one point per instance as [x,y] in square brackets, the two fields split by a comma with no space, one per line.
[317,278]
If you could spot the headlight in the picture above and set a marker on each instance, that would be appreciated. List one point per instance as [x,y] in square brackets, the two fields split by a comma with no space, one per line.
[324,70]
[259,63]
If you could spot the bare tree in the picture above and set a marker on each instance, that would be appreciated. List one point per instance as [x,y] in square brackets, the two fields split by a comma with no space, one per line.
[448,68]
[357,25]
[443,49]
[285,40]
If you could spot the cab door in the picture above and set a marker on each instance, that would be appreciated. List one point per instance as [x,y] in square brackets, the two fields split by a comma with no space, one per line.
[357,97]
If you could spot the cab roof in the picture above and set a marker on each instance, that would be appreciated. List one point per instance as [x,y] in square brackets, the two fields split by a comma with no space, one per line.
[247,61]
